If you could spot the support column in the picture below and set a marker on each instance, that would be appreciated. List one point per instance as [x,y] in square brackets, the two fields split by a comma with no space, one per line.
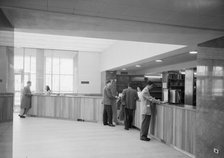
[210,99]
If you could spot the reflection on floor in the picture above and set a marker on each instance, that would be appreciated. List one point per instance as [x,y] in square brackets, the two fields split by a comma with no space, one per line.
[51,138]
[6,140]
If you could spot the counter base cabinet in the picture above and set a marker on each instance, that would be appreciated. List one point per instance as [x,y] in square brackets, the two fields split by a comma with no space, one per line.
[6,108]
[72,108]
[172,125]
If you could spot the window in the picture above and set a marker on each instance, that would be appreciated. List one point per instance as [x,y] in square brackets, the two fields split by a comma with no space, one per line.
[59,72]
[24,69]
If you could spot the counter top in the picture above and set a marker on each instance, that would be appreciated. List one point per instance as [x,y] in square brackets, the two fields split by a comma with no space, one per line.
[180,106]
[70,96]
[6,94]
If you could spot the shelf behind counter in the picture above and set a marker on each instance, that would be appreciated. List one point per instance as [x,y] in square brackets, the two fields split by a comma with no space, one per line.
[88,108]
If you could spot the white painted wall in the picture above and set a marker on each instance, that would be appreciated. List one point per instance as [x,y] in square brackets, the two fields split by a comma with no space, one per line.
[89,70]
[126,52]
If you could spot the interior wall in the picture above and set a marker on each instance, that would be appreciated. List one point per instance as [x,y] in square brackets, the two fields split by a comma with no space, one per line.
[210,99]
[89,71]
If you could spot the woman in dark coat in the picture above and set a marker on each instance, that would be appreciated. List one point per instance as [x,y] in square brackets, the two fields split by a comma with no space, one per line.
[26,100]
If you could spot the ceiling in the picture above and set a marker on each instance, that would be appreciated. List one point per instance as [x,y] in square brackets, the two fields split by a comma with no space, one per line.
[46,41]
[155,21]
[179,59]
[179,22]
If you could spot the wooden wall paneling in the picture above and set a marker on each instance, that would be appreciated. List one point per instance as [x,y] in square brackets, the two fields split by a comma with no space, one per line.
[189,144]
[88,109]
[79,107]
[99,110]
[50,108]
[179,128]
[65,107]
[168,125]
[82,108]
[40,102]
[6,108]
[76,108]
[137,122]
[34,106]
[71,108]
[57,107]
[159,122]
[94,109]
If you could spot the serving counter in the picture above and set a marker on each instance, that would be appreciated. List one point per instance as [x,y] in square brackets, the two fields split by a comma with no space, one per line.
[172,124]
[88,108]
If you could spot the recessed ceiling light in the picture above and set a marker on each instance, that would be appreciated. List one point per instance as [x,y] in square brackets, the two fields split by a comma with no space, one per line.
[159,60]
[137,65]
[193,52]
[124,69]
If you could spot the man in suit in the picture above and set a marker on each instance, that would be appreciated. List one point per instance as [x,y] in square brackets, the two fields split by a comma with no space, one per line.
[146,101]
[26,100]
[114,100]
[107,101]
[130,97]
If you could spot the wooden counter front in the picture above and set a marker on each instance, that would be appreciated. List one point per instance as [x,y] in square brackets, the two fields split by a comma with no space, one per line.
[6,107]
[173,125]
[67,107]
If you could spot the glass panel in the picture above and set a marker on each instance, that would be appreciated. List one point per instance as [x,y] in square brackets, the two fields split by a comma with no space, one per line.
[48,80]
[66,66]
[33,80]
[17,98]
[48,65]
[26,78]
[217,87]
[55,85]
[27,64]
[66,83]
[18,62]
[33,64]
[18,83]
[56,65]
[217,71]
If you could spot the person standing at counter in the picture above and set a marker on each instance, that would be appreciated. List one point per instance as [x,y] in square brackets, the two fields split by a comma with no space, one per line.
[130,97]
[146,101]
[47,90]
[26,100]
[107,101]
[113,101]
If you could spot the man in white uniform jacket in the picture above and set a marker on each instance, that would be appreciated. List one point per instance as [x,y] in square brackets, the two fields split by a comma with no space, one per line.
[146,101]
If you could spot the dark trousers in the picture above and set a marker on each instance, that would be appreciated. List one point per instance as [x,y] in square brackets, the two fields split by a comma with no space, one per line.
[129,115]
[145,126]
[107,114]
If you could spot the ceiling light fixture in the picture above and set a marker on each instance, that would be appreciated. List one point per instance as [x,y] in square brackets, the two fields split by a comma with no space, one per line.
[159,60]
[124,69]
[193,52]
[137,65]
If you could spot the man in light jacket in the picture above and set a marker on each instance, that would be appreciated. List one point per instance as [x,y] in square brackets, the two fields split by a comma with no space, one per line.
[146,101]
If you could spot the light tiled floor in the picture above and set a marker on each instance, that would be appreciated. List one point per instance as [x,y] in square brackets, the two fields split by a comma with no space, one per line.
[52,138]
